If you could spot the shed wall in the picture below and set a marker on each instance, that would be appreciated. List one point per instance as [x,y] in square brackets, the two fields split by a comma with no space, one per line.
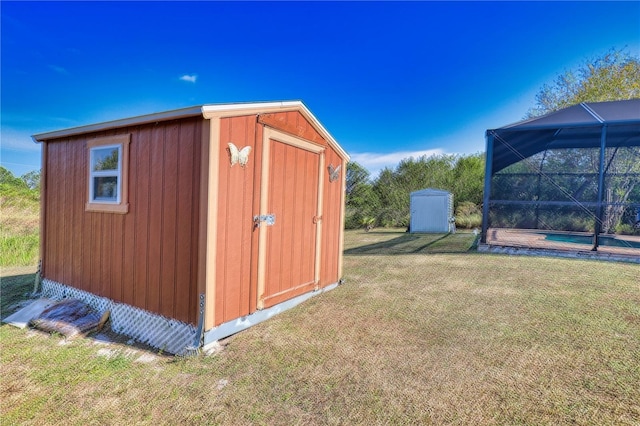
[430,213]
[238,202]
[148,257]
[293,122]
[332,220]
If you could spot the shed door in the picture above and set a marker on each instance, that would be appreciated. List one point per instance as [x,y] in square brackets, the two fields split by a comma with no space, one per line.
[429,213]
[289,249]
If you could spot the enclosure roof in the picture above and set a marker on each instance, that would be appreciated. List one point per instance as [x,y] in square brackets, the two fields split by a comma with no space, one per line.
[430,191]
[207,111]
[578,126]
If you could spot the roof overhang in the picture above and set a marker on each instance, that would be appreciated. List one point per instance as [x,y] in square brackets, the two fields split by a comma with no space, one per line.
[205,111]
[107,125]
[579,126]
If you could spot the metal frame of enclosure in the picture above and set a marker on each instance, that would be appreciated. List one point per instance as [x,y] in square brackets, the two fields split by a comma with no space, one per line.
[573,171]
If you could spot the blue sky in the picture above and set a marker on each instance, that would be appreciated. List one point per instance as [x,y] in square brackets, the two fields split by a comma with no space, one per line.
[388,80]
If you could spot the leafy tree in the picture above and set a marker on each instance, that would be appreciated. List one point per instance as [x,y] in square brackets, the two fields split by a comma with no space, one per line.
[356,174]
[612,77]
[109,162]
[462,175]
[32,179]
[622,186]
[394,201]
[361,201]
[468,179]
[13,189]
[7,178]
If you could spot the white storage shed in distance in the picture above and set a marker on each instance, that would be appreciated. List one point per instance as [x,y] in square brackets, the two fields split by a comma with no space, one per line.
[431,211]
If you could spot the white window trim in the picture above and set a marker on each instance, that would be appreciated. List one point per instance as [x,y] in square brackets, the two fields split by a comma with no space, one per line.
[121,204]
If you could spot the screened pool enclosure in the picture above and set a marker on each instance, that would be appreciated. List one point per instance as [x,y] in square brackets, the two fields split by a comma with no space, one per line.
[568,180]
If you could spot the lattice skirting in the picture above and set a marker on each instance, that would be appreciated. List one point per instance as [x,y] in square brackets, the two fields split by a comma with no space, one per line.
[166,334]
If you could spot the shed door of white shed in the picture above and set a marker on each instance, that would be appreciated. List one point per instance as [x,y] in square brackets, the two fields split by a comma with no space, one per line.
[430,213]
[291,191]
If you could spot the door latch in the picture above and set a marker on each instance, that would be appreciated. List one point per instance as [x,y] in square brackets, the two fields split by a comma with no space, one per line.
[268,219]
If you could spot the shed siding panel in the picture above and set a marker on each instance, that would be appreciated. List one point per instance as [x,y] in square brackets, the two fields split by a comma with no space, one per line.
[141,213]
[156,193]
[78,183]
[64,200]
[293,122]
[235,220]
[129,226]
[193,286]
[105,262]
[169,208]
[144,257]
[186,208]
[331,222]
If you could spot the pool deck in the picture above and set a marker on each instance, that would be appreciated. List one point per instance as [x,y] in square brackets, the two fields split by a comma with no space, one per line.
[521,240]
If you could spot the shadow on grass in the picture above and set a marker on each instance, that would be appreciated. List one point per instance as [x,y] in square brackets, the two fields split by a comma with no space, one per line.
[15,289]
[417,244]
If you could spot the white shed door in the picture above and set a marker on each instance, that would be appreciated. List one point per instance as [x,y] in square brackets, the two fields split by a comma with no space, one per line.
[429,214]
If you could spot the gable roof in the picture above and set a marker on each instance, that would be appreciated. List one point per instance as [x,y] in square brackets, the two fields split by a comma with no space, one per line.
[429,192]
[206,111]
[578,126]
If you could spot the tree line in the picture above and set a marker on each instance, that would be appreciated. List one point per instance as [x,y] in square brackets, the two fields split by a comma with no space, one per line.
[384,200]
[26,186]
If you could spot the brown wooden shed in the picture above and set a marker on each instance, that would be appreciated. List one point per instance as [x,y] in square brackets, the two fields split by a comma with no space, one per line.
[193,224]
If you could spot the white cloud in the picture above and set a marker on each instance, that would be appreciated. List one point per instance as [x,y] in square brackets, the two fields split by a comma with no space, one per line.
[18,152]
[16,140]
[189,78]
[375,162]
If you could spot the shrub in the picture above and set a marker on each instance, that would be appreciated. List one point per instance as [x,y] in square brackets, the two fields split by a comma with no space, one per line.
[626,229]
[468,215]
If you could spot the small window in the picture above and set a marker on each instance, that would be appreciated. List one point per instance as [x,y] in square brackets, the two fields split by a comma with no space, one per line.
[108,166]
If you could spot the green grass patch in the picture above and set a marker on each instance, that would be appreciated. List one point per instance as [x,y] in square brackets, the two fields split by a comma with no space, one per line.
[419,334]
[19,229]
[19,250]
[394,241]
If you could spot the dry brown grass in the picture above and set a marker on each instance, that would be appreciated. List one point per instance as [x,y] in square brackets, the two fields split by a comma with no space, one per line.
[431,338]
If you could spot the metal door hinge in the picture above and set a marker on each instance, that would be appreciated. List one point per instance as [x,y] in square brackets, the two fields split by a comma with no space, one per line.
[268,219]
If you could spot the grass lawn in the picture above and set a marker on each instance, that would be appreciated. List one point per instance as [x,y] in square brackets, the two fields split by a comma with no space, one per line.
[19,230]
[424,331]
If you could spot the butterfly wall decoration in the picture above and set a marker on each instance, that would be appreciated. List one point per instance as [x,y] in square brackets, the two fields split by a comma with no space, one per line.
[240,156]
[334,172]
